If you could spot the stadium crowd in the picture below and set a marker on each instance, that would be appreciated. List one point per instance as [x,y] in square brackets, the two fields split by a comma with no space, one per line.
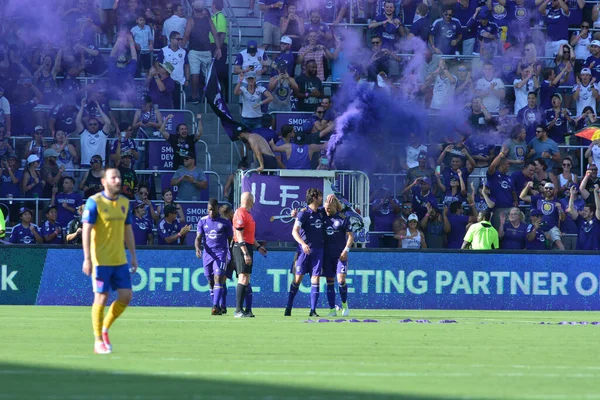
[522,82]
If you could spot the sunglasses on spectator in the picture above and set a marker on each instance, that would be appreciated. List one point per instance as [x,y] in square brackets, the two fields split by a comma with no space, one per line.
[320,112]
[95,161]
[539,131]
[585,26]
[186,158]
[594,169]
[462,70]
[566,165]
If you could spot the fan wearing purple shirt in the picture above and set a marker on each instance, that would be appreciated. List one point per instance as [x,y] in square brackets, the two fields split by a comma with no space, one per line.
[455,223]
[141,225]
[501,187]
[308,232]
[588,221]
[513,233]
[25,232]
[421,195]
[536,238]
[66,202]
[51,230]
[557,25]
[214,233]
[551,210]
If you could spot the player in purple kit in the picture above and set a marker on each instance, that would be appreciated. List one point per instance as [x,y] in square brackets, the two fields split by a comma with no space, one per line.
[51,231]
[588,221]
[308,232]
[25,232]
[338,240]
[212,245]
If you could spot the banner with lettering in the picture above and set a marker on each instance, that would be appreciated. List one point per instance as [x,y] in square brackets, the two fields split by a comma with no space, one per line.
[274,199]
[160,153]
[296,119]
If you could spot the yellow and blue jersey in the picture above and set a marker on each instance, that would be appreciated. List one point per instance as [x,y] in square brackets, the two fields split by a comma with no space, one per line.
[108,217]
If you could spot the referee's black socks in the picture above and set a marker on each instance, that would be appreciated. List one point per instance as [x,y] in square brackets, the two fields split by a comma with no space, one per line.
[240,295]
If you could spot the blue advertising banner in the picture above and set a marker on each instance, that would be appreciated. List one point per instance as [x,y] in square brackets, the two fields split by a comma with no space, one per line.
[274,199]
[386,280]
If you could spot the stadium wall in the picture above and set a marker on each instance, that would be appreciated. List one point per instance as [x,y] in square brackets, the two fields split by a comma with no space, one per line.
[376,279]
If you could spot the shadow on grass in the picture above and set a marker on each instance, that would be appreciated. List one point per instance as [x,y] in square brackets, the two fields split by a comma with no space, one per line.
[18,382]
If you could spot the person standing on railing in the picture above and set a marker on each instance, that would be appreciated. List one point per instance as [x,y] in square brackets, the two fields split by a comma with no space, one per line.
[189,180]
[178,57]
[92,139]
[557,25]
[263,155]
[181,142]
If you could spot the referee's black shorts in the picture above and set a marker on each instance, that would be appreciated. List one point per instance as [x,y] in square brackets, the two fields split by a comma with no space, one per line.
[238,258]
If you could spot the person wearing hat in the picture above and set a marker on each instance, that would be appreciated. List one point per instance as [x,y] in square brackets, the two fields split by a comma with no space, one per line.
[178,57]
[197,32]
[122,69]
[26,232]
[32,183]
[411,237]
[142,226]
[292,25]
[189,179]
[593,61]
[51,172]
[558,119]
[551,210]
[74,229]
[282,85]
[251,97]
[250,59]
[585,92]
[536,238]
[37,145]
[170,230]
[285,55]
[160,85]
[298,153]
[51,230]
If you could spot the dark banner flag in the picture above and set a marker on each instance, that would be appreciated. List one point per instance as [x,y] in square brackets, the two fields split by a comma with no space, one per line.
[212,91]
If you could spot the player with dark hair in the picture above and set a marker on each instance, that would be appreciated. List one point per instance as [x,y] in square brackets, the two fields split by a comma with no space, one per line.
[213,235]
[106,231]
[308,232]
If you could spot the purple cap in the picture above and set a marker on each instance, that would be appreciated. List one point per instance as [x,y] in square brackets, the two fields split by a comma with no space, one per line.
[536,212]
[252,46]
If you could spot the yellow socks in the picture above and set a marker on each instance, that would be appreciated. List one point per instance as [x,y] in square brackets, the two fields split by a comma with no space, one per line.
[115,310]
[97,317]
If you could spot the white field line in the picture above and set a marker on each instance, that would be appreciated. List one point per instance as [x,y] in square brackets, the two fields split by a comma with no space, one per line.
[208,396]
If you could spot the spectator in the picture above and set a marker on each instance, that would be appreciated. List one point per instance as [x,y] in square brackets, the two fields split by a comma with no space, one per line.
[129,179]
[411,237]
[557,120]
[588,183]
[285,56]
[486,32]
[585,92]
[66,201]
[528,83]
[273,11]
[568,227]
[281,86]
[581,40]
[592,153]
[92,139]
[543,147]
[541,176]
[444,86]
[433,227]
[146,121]
[422,170]
[513,233]
[380,59]
[445,33]
[51,172]
[490,88]
[557,25]
[482,199]
[420,27]
[144,43]
[167,196]
[536,238]
[25,99]
[84,21]
[390,30]
[551,209]
[565,58]
[5,147]
[452,171]
[455,223]
[316,52]
[121,71]
[107,19]
[10,184]
[45,78]
[421,195]
[588,221]
[530,60]
[127,15]
[62,118]
[402,221]
[479,117]
[549,86]
[243,165]
[74,228]
[161,86]
[26,232]
[175,23]
[299,153]
[221,64]
[415,150]
[5,112]
[384,210]
[32,183]
[51,230]
[67,154]
[314,24]
[142,227]
[124,145]
[501,187]
[181,143]
[587,118]
[316,127]
[189,180]
[566,178]
[530,116]
[251,97]
[197,33]
[515,149]
[263,155]
[482,235]
[171,231]
[310,88]
[38,145]
[292,26]
[593,61]
[90,183]
[151,211]
[178,57]
[252,59]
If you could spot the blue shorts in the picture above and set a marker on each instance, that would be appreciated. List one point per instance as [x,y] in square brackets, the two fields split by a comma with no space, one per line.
[215,267]
[332,266]
[309,263]
[118,277]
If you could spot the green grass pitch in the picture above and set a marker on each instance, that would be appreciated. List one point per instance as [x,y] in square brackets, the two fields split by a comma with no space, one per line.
[184,353]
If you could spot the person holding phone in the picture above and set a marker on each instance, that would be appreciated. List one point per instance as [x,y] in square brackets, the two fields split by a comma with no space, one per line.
[281,86]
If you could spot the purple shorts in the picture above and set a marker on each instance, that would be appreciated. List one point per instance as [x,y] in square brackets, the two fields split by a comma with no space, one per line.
[309,264]
[106,278]
[332,266]
[215,267]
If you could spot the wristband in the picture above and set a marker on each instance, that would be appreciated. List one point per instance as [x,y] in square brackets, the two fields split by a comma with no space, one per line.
[347,249]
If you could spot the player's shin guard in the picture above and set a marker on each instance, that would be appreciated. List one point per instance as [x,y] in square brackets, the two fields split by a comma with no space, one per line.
[331,294]
[314,296]
[217,295]
[292,294]
[249,298]
[240,294]
[343,292]
[115,310]
[97,317]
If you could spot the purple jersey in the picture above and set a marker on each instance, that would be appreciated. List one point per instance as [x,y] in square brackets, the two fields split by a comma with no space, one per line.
[569,226]
[22,235]
[519,181]
[127,145]
[72,200]
[298,157]
[311,227]
[539,243]
[216,233]
[502,188]
[595,69]
[8,187]
[548,208]
[557,24]
[480,203]
[514,238]
[458,230]
[141,228]
[49,228]
[336,228]
[166,229]
[383,218]
[588,237]
[419,201]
